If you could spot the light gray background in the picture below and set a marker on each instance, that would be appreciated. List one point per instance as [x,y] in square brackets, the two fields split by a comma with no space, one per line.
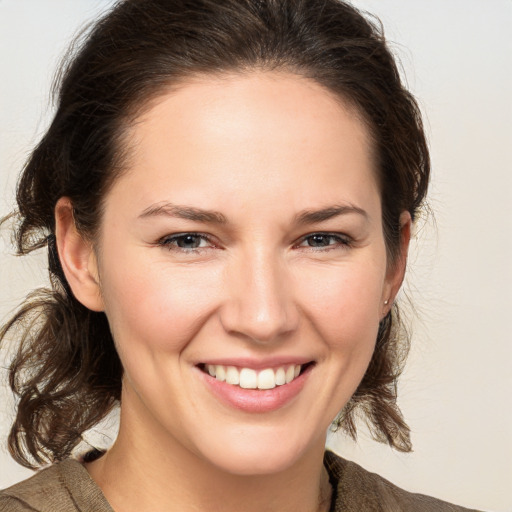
[457,57]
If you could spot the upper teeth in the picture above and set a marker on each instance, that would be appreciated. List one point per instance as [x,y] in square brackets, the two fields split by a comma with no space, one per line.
[251,379]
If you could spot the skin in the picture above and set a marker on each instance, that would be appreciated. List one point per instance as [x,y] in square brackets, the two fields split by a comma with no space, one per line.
[259,149]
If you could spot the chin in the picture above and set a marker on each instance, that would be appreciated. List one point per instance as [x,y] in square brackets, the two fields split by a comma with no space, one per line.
[254,464]
[251,455]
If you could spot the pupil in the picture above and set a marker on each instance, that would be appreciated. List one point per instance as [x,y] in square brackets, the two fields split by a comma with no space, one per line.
[188,242]
[318,241]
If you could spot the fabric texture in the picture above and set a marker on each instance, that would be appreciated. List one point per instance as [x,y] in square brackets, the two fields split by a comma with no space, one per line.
[67,487]
[358,490]
[63,487]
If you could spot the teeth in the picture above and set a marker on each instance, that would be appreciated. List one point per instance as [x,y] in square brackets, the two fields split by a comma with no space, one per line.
[248,378]
[290,374]
[232,375]
[220,373]
[280,377]
[266,379]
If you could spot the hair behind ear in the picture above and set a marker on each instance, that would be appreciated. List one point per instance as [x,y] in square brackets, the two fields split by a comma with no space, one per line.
[66,372]
[376,396]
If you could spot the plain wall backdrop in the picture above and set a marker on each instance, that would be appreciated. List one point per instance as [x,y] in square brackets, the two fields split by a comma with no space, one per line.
[456,391]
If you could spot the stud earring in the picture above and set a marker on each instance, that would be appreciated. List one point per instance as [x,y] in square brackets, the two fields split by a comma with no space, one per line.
[386,302]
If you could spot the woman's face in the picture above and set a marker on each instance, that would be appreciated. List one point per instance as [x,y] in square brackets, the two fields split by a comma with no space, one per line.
[244,242]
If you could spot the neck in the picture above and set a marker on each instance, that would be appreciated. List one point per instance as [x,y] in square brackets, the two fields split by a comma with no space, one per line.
[152,472]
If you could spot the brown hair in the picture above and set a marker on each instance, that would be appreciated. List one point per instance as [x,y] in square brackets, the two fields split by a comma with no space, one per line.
[66,371]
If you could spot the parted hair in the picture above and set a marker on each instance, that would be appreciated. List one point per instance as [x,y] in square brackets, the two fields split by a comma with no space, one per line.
[65,372]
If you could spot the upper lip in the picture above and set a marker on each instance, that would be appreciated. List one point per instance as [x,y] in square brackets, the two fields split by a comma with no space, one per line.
[257,363]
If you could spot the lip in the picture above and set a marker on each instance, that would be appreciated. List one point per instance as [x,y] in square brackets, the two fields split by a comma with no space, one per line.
[255,400]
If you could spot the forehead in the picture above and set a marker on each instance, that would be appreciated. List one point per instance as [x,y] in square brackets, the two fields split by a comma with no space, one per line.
[253,135]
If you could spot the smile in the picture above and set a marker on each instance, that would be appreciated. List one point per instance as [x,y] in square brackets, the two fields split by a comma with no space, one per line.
[256,388]
[248,378]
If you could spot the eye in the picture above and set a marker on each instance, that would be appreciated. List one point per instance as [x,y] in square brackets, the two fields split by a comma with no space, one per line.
[324,240]
[186,242]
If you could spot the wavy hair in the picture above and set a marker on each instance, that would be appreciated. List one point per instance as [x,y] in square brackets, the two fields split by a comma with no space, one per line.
[66,372]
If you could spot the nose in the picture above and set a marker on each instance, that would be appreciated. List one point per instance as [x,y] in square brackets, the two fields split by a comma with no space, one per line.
[260,304]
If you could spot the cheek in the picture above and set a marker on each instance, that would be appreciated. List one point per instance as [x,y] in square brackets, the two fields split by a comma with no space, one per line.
[344,304]
[151,307]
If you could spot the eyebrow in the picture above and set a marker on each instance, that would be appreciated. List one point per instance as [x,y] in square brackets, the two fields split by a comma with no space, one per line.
[213,217]
[314,216]
[184,212]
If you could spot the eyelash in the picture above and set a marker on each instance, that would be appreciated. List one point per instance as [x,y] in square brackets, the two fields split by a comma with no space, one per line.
[170,242]
[340,240]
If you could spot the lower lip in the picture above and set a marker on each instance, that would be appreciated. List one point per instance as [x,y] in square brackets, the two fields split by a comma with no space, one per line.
[256,400]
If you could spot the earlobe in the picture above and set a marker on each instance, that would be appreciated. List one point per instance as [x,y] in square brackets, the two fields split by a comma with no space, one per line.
[396,272]
[77,257]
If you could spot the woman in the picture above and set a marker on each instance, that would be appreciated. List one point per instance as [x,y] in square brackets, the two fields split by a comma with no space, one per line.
[227,192]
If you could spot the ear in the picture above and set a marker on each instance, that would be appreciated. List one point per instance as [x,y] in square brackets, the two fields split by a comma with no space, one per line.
[77,257]
[396,271]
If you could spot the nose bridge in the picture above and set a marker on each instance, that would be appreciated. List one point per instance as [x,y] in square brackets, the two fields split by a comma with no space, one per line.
[260,304]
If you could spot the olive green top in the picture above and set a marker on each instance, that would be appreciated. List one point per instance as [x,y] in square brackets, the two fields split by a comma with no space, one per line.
[67,487]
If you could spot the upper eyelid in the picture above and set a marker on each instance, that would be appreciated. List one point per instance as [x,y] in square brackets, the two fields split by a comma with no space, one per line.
[165,240]
[185,233]
[342,236]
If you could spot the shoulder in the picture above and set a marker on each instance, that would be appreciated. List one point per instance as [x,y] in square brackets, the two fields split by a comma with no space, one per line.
[45,487]
[63,487]
[357,489]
